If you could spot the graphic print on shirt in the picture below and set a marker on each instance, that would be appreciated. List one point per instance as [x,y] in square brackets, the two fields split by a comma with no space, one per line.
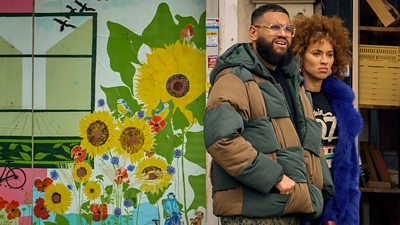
[329,132]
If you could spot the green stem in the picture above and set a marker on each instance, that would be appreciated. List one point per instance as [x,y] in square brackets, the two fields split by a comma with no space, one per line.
[183,177]
[138,206]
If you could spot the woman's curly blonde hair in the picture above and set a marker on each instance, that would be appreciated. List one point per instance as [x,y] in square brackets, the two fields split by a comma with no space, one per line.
[312,29]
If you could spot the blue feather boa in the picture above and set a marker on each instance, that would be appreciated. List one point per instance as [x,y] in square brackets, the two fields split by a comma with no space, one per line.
[344,206]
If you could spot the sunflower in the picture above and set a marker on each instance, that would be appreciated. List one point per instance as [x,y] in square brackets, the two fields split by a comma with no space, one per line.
[92,190]
[98,133]
[152,173]
[176,72]
[57,198]
[134,137]
[81,172]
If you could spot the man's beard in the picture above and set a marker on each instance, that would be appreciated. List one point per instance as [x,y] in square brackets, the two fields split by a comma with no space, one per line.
[267,52]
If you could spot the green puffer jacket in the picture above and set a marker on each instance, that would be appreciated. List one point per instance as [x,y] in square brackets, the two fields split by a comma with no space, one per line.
[253,141]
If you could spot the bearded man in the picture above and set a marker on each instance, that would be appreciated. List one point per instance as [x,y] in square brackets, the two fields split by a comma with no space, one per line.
[267,166]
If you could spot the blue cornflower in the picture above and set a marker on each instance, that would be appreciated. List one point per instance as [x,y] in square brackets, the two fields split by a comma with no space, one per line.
[54,175]
[101,102]
[105,157]
[69,187]
[177,153]
[114,160]
[117,212]
[171,170]
[128,203]
[140,114]
[131,167]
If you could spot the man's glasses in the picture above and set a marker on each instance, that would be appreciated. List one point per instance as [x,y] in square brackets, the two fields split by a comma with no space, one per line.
[276,28]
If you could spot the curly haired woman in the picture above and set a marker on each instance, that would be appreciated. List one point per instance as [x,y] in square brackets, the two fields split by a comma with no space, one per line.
[323,46]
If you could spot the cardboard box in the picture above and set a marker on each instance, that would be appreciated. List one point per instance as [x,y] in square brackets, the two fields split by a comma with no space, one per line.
[386,13]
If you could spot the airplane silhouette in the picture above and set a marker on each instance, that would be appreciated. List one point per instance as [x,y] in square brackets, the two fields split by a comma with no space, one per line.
[71,10]
[84,7]
[63,24]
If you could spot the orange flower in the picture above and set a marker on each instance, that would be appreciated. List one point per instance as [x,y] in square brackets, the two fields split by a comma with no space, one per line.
[40,210]
[157,123]
[3,203]
[78,153]
[41,185]
[12,210]
[99,211]
[122,176]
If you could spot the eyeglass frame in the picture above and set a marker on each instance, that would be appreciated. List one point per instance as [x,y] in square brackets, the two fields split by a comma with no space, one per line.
[282,27]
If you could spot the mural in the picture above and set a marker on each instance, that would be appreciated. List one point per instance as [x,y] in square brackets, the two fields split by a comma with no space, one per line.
[102,112]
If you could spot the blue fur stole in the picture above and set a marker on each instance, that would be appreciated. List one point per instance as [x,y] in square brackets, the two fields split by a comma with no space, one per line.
[344,206]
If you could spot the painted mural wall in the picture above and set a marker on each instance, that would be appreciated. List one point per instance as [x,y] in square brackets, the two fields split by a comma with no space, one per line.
[101,112]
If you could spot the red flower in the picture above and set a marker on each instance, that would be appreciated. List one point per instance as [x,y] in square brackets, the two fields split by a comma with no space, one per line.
[99,211]
[40,210]
[12,210]
[3,203]
[78,153]
[41,185]
[122,176]
[157,123]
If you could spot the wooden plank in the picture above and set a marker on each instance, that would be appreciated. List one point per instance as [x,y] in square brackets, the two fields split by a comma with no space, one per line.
[380,29]
[379,163]
[373,176]
[379,184]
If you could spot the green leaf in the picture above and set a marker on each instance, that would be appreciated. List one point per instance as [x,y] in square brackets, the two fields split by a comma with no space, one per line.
[115,93]
[197,107]
[77,185]
[61,157]
[66,149]
[198,184]
[40,155]
[154,197]
[195,148]
[88,217]
[15,158]
[85,206]
[25,156]
[124,187]
[61,220]
[1,148]
[109,189]
[100,177]
[12,146]
[168,141]
[131,194]
[26,148]
[57,145]
[199,30]
[49,223]
[162,25]
[123,47]
[179,120]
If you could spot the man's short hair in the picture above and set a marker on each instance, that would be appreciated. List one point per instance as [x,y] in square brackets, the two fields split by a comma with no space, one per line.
[269,7]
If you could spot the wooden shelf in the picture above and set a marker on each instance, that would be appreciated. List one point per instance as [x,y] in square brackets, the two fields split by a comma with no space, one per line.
[380,29]
[365,106]
[381,190]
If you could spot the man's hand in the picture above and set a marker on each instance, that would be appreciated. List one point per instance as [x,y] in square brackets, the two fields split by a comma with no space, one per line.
[285,186]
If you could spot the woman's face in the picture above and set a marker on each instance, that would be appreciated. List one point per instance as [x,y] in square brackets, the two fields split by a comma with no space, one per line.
[317,60]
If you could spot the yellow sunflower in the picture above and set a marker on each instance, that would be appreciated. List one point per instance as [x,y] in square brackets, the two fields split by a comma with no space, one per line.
[176,72]
[57,198]
[134,137]
[92,190]
[152,173]
[98,133]
[81,172]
